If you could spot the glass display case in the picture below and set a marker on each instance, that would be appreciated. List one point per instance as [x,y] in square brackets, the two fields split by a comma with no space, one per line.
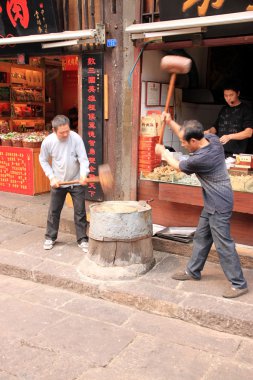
[22,98]
[240,173]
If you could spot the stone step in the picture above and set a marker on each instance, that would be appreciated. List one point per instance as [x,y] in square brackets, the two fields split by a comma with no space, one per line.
[185,249]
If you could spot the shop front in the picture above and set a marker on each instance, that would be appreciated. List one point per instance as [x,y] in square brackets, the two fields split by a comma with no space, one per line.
[218,38]
[39,78]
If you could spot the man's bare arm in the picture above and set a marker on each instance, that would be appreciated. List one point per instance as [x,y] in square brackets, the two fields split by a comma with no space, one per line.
[246,134]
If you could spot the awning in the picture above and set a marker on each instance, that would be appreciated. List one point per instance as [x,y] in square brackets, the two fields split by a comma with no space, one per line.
[67,38]
[186,25]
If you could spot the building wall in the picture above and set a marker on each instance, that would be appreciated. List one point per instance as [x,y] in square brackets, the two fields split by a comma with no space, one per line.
[74,15]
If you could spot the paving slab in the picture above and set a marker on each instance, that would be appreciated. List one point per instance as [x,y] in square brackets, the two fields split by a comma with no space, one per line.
[88,338]
[231,371]
[149,358]
[26,319]
[175,331]
[34,362]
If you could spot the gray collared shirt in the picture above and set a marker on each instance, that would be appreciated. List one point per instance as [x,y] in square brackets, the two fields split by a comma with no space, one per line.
[208,163]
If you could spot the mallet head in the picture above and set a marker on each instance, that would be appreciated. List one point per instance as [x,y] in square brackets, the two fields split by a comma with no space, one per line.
[176,64]
[105,177]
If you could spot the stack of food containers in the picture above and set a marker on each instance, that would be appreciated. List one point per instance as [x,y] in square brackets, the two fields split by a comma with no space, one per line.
[148,160]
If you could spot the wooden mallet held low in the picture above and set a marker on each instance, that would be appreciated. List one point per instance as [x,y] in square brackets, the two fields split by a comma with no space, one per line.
[174,64]
[104,177]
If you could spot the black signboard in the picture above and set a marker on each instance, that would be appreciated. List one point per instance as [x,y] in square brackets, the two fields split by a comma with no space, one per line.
[25,17]
[174,10]
[92,94]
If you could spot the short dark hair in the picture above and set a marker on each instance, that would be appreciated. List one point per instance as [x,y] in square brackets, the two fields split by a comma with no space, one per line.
[192,129]
[232,84]
[60,120]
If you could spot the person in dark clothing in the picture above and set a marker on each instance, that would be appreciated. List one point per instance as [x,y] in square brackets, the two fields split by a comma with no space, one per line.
[207,161]
[73,118]
[235,121]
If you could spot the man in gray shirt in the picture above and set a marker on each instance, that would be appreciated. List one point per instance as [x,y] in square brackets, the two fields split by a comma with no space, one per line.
[63,158]
[206,160]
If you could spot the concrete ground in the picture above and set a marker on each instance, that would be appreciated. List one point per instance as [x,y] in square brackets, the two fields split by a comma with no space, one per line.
[49,333]
[200,302]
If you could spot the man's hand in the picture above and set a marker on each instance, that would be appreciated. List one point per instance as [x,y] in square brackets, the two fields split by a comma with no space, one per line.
[159,149]
[167,156]
[83,181]
[225,139]
[54,183]
[166,117]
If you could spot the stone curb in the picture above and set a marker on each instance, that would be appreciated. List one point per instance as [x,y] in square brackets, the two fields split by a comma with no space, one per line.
[206,311]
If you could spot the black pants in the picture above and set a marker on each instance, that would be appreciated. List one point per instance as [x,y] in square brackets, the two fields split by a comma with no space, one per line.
[57,200]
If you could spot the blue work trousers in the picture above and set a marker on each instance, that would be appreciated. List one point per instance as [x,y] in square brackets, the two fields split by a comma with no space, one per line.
[215,228]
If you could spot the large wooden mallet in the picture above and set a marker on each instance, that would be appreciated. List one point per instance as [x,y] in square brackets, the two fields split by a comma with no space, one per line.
[174,64]
[104,177]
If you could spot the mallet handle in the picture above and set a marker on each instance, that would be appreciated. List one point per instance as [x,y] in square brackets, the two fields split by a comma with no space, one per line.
[167,104]
[88,180]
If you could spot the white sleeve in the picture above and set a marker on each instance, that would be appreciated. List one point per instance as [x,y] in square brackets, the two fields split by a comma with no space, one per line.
[82,158]
[44,157]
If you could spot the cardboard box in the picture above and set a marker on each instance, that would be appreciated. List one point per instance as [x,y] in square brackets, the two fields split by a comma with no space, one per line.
[243,160]
[148,126]
[158,122]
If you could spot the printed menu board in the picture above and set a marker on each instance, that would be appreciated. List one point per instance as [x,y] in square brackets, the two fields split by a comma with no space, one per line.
[16,170]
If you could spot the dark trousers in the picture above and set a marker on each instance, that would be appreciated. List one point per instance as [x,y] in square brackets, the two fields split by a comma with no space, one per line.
[57,200]
[215,228]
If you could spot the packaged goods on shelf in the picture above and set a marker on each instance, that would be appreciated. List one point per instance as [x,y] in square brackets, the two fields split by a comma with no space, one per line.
[24,93]
[4,126]
[5,93]
[5,109]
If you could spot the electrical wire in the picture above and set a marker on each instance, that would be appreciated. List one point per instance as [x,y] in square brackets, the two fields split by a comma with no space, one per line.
[129,79]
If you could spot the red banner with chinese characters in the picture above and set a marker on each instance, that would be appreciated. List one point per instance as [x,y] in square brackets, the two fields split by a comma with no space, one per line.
[92,84]
[16,170]
[70,63]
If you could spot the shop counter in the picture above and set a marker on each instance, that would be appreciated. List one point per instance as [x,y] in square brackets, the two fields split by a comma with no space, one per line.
[20,171]
[181,205]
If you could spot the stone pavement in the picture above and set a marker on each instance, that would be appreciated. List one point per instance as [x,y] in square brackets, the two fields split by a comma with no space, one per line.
[199,302]
[54,334]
